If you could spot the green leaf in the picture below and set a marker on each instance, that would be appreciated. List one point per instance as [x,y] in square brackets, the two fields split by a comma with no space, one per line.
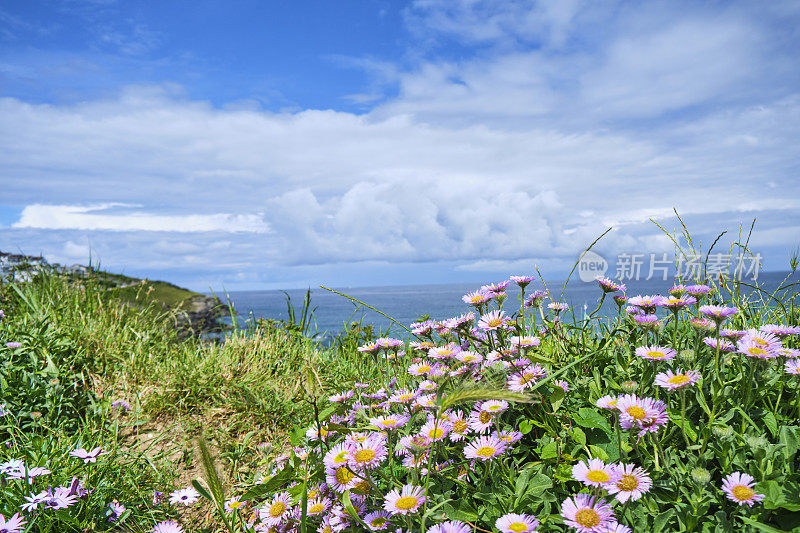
[598,452]
[789,440]
[761,527]
[662,519]
[348,505]
[199,487]
[525,427]
[591,418]
[690,432]
[550,451]
[271,485]
[556,398]
[771,423]
[578,436]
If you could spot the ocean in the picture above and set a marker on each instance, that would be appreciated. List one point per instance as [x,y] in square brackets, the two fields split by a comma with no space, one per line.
[407,304]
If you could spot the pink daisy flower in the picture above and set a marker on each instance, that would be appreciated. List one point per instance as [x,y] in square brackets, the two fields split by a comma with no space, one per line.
[656,353]
[522,281]
[168,526]
[477,298]
[723,345]
[792,366]
[738,487]
[594,474]
[607,402]
[676,304]
[419,369]
[698,290]
[610,286]
[718,313]
[674,380]
[493,320]
[88,457]
[13,525]
[444,352]
[647,321]
[647,303]
[377,521]
[408,500]
[587,514]
[485,448]
[451,526]
[780,330]
[368,453]
[516,523]
[185,496]
[390,421]
[631,483]
[340,478]
[754,349]
[435,431]
[276,511]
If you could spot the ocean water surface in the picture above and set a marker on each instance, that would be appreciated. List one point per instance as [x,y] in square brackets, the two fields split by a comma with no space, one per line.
[407,304]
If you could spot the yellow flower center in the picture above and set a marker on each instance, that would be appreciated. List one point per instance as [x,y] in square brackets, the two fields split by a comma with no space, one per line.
[341,457]
[485,417]
[362,488]
[277,509]
[742,493]
[655,355]
[406,502]
[587,517]
[613,403]
[486,451]
[636,412]
[526,378]
[235,505]
[390,422]
[598,476]
[493,408]
[435,433]
[423,369]
[406,398]
[518,527]
[494,322]
[378,522]
[469,358]
[343,475]
[680,379]
[761,342]
[316,508]
[758,351]
[364,456]
[627,483]
[460,426]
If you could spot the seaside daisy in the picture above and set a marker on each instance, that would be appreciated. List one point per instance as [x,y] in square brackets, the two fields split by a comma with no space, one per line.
[496,287]
[525,341]
[718,313]
[404,396]
[792,366]
[168,526]
[277,510]
[780,330]
[734,334]
[522,281]
[469,357]
[389,421]
[435,431]
[185,496]
[698,291]
[631,483]
[656,353]
[389,343]
[616,527]
[608,285]
[419,369]
[675,304]
[493,320]
[444,352]
[534,301]
[368,453]
[485,448]
[340,478]
[408,500]
[674,380]
[702,324]
[451,526]
[88,457]
[646,321]
[595,473]
[607,402]
[563,385]
[738,487]
[587,514]
[558,307]
[648,303]
[477,298]
[460,427]
[14,524]
[516,523]
[509,437]
[370,347]
[677,290]
[752,348]
[377,520]
[235,504]
[722,345]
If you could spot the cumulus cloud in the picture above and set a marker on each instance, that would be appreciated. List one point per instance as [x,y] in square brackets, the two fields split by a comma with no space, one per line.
[560,122]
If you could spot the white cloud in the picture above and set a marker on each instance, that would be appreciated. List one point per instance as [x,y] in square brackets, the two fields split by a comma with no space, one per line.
[58,217]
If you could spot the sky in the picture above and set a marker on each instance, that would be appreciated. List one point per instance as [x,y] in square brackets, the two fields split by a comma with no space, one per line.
[275,144]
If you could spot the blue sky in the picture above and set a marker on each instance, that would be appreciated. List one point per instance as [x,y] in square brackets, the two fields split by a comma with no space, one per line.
[283,144]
